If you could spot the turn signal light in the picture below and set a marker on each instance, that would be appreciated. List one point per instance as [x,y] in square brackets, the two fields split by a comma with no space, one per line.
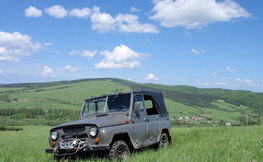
[97,140]
[53,143]
[127,121]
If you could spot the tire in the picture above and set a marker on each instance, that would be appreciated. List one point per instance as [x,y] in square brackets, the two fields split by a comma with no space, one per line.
[119,151]
[164,141]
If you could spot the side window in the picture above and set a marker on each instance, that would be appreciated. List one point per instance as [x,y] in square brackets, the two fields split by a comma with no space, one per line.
[138,98]
[150,106]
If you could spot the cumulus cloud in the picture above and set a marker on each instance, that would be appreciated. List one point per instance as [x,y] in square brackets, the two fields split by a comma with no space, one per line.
[134,9]
[1,72]
[84,53]
[121,57]
[69,68]
[197,51]
[196,13]
[228,69]
[14,45]
[81,13]
[103,22]
[151,77]
[127,23]
[48,72]
[56,11]
[32,11]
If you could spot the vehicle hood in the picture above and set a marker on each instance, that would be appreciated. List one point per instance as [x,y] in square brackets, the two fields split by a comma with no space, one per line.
[104,121]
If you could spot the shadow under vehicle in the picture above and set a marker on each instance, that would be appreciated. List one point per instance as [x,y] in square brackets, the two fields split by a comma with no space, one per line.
[116,123]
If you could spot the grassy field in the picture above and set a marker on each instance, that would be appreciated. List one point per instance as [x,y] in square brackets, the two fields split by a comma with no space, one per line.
[189,144]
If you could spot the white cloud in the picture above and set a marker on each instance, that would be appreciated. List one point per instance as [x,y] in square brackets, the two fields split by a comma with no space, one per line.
[197,51]
[102,22]
[48,72]
[195,13]
[47,44]
[134,9]
[238,79]
[247,81]
[121,57]
[87,53]
[32,11]
[222,83]
[228,69]
[14,45]
[127,23]
[214,73]
[1,72]
[84,53]
[69,68]
[81,13]
[56,11]
[206,84]
[152,77]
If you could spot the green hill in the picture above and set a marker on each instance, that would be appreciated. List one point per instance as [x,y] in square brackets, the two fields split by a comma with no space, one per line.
[54,102]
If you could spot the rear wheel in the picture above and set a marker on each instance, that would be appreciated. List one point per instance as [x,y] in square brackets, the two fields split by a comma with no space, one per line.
[164,141]
[119,151]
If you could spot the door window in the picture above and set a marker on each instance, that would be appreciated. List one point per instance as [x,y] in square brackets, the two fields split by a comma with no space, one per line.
[150,106]
[139,98]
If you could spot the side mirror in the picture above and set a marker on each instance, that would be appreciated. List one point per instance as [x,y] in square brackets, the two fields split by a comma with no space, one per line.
[137,107]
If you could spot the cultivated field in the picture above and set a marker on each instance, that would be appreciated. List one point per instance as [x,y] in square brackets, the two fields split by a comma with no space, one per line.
[189,144]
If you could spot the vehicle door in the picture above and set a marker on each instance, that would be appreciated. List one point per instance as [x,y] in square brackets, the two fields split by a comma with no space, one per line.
[139,129]
[153,119]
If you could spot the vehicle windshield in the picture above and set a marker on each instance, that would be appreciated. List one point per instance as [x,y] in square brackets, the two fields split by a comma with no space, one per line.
[95,106]
[118,102]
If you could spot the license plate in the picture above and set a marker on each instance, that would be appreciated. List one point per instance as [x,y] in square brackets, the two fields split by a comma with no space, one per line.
[66,144]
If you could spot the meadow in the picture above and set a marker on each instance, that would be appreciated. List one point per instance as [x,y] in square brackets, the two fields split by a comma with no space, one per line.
[35,107]
[189,144]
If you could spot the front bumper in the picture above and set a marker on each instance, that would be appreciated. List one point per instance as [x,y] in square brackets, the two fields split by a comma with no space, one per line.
[61,152]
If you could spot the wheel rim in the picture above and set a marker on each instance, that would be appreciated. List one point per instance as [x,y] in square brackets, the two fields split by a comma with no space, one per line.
[120,153]
[164,141]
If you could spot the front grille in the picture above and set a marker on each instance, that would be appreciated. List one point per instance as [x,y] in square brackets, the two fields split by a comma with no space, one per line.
[77,132]
[74,131]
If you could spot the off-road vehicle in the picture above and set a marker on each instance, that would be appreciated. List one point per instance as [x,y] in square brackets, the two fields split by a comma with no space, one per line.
[115,123]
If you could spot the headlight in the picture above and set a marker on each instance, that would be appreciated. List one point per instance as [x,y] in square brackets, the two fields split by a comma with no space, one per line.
[54,135]
[93,131]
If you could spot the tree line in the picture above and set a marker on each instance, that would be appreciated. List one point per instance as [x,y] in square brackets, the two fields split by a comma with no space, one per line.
[39,113]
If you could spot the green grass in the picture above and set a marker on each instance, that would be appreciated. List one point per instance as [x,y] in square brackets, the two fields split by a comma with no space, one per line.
[189,144]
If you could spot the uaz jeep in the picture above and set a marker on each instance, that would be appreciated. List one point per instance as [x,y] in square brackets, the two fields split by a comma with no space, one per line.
[114,123]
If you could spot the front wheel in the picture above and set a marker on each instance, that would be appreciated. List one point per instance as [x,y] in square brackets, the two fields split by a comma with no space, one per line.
[119,151]
[164,141]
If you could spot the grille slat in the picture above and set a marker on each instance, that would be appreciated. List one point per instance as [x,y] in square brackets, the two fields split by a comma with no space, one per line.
[77,132]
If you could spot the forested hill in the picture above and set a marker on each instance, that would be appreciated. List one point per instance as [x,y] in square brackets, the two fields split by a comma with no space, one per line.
[214,104]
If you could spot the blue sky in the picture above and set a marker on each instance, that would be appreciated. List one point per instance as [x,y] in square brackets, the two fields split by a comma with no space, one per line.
[203,43]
